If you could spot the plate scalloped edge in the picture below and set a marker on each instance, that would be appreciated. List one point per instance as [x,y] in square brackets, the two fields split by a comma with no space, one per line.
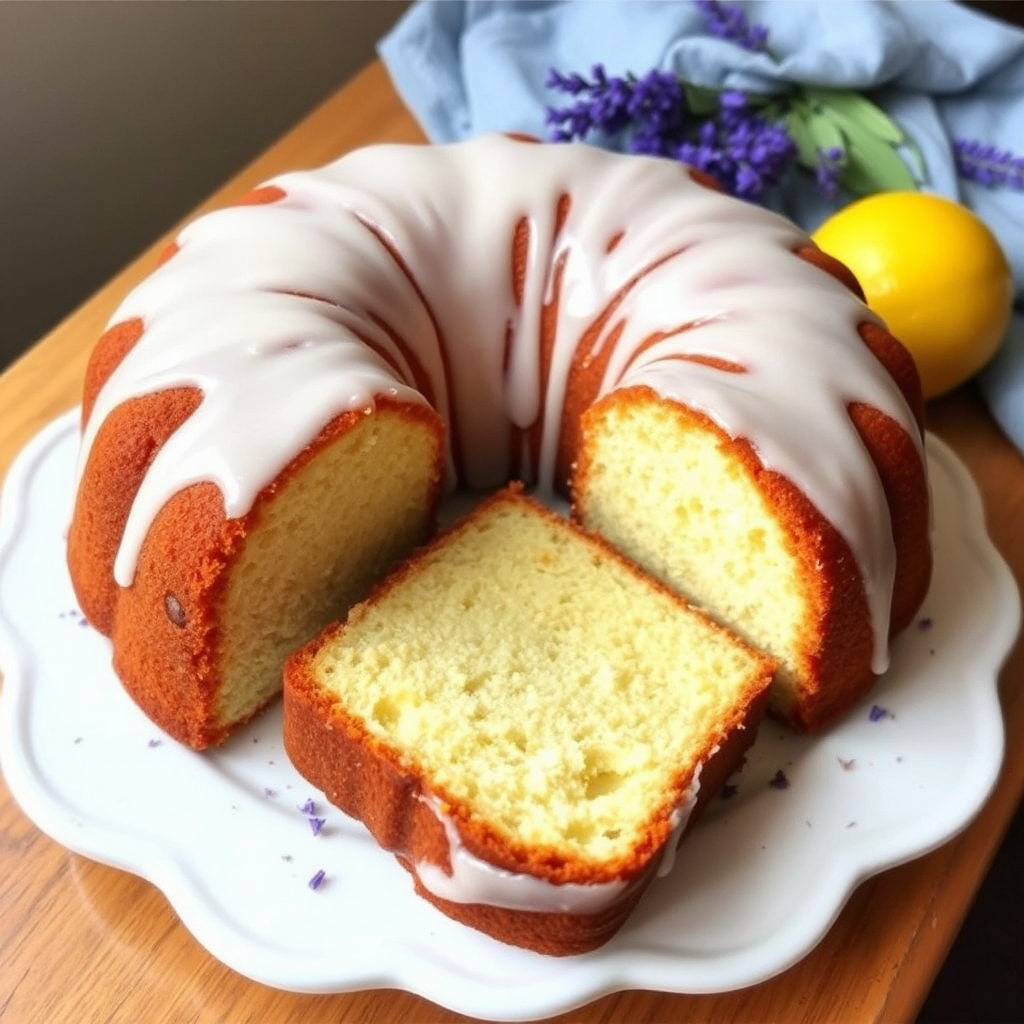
[943,681]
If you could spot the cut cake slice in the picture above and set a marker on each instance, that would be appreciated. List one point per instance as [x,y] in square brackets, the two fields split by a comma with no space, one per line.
[526,721]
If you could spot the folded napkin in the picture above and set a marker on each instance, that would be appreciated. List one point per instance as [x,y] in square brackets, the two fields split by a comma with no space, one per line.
[941,71]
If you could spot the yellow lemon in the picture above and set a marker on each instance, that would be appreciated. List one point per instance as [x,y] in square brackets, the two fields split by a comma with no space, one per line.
[934,272]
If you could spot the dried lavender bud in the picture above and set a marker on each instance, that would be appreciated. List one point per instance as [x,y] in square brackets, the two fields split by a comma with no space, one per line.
[317,880]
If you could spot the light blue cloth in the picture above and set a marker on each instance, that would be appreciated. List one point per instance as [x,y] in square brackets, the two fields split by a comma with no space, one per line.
[940,70]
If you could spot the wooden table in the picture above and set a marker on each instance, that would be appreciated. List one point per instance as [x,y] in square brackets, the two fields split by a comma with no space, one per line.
[80,942]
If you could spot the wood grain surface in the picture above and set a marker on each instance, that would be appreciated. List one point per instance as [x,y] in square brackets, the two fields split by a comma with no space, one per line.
[82,943]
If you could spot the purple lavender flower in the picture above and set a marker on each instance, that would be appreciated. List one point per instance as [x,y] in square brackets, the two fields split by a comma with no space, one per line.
[571,84]
[988,165]
[730,22]
[653,105]
[317,880]
[740,148]
[831,163]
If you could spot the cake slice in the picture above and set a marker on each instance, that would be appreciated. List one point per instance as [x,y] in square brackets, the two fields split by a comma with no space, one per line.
[526,721]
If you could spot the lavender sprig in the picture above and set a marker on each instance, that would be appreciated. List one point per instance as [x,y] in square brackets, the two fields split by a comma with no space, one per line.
[727,21]
[988,165]
[741,149]
[747,142]
[725,137]
[829,170]
[653,105]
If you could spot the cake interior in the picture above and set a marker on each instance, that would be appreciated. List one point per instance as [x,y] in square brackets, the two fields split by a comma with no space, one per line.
[335,526]
[542,682]
[674,496]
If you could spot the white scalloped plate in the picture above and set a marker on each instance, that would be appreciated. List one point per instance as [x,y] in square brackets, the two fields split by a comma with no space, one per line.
[755,887]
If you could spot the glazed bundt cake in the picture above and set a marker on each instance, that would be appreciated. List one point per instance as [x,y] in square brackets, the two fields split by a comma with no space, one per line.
[527,721]
[271,416]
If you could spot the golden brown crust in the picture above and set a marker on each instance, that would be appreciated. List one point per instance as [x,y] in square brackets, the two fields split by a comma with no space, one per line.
[122,453]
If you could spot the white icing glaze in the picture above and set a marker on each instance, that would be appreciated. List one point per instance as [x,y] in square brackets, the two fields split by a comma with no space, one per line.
[272,300]
[473,880]
[679,820]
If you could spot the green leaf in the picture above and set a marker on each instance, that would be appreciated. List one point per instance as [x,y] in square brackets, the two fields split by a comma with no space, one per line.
[825,132]
[857,181]
[874,165]
[854,108]
[797,129]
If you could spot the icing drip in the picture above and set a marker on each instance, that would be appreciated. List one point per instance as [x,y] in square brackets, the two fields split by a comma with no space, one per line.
[408,248]
[473,880]
[679,820]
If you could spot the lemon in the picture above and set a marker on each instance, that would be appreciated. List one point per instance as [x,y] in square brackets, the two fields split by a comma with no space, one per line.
[934,272]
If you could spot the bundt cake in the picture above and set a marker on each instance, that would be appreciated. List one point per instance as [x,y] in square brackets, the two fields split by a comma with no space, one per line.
[272,414]
[527,721]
